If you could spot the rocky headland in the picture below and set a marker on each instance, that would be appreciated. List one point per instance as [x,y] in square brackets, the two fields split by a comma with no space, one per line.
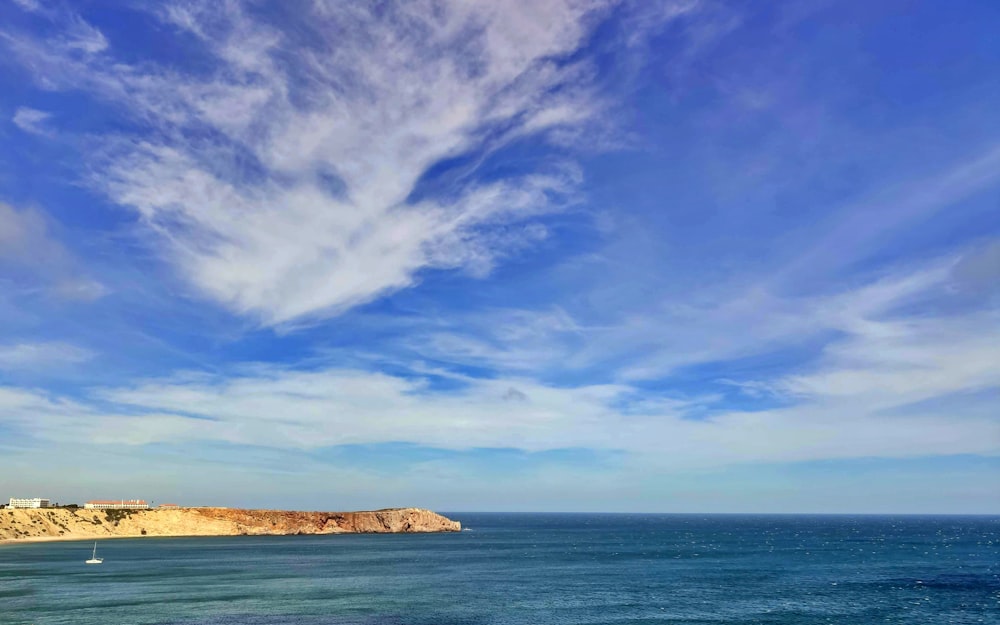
[81,523]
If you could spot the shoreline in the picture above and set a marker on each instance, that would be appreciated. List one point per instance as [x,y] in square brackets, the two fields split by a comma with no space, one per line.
[90,539]
[66,539]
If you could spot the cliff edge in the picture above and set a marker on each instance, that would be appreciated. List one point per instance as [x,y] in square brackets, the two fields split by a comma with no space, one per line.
[79,524]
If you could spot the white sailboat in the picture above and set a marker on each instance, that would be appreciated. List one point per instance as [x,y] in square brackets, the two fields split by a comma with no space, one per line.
[93,558]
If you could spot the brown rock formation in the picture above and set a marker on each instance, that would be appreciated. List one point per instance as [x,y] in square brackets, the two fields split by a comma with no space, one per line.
[77,524]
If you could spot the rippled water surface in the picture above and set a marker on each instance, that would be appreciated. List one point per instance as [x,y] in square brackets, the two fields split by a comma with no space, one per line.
[530,569]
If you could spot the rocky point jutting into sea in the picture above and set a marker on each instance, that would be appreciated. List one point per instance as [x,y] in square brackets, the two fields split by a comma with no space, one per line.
[80,523]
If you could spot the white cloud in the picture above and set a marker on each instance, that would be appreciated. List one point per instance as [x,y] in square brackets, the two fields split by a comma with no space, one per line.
[76,36]
[22,356]
[509,340]
[374,100]
[82,37]
[81,289]
[31,256]
[866,396]
[29,5]
[50,417]
[251,249]
[883,352]
[893,383]
[32,120]
[24,236]
[888,363]
[294,409]
[857,230]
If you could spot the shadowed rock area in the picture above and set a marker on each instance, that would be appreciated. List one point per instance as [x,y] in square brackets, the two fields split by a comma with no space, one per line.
[70,524]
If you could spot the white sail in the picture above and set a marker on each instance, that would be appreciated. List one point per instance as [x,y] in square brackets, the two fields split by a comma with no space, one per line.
[93,558]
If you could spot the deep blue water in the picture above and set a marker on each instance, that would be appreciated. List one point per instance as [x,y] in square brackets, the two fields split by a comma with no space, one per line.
[530,569]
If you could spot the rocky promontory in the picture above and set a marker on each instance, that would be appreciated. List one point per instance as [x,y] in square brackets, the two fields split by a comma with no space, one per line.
[81,523]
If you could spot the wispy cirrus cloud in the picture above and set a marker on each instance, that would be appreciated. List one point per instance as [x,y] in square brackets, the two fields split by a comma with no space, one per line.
[29,5]
[22,356]
[32,120]
[287,409]
[33,259]
[887,345]
[888,384]
[285,183]
[854,232]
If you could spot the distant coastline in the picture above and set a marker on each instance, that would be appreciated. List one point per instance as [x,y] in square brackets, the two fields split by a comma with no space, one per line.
[49,524]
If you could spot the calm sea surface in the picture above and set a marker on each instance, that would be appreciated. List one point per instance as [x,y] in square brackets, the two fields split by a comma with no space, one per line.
[530,569]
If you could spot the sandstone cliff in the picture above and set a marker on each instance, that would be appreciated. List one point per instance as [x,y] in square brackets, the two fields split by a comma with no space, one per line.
[74,524]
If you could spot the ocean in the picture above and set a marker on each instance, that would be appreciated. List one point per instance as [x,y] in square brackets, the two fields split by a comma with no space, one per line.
[536,569]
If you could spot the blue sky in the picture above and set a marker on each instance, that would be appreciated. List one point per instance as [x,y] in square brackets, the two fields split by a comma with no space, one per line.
[545,255]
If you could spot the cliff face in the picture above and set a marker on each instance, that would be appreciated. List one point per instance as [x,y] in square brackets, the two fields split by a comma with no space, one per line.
[69,524]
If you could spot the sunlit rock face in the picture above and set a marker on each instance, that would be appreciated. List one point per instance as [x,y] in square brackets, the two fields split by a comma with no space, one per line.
[69,524]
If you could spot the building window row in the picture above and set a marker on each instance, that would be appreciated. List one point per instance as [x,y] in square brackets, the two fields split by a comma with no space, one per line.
[36,502]
[121,504]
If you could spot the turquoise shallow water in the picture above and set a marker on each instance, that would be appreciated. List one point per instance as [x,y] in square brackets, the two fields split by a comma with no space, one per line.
[530,569]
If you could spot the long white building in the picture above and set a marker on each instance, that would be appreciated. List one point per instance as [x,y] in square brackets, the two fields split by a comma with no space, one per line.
[117,504]
[36,502]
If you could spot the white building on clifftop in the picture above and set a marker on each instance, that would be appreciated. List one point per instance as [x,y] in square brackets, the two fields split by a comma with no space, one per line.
[36,502]
[117,504]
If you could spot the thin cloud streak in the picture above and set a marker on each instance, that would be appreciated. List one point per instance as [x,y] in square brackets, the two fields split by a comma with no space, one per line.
[873,335]
[856,228]
[34,260]
[32,120]
[23,356]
